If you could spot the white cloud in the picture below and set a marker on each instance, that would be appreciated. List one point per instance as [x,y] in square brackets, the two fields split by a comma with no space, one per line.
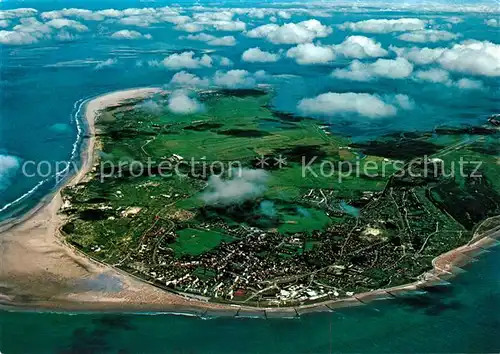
[433,75]
[234,79]
[200,37]
[261,75]
[284,14]
[110,13]
[291,33]
[360,47]
[256,55]
[385,26]
[180,103]
[454,20]
[473,57]
[436,75]
[127,34]
[332,104]
[398,68]
[65,36]
[145,17]
[16,38]
[217,25]
[59,23]
[308,53]
[404,102]
[256,13]
[140,11]
[17,13]
[78,13]
[151,107]
[139,21]
[225,79]
[4,23]
[469,57]
[78,63]
[440,76]
[105,64]
[223,61]
[177,20]
[245,185]
[226,41]
[185,79]
[151,63]
[186,60]
[141,17]
[190,27]
[468,84]
[34,27]
[213,16]
[429,35]
[229,26]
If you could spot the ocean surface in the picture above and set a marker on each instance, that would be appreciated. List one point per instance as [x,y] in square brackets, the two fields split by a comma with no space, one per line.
[43,85]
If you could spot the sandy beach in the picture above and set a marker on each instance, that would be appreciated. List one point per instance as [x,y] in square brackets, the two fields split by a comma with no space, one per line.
[39,271]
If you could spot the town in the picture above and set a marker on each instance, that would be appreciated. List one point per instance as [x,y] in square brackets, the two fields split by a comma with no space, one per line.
[271,237]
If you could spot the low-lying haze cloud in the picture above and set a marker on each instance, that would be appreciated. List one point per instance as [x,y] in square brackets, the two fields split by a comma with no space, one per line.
[127,34]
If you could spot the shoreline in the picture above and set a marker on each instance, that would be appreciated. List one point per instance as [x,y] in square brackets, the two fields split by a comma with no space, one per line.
[41,272]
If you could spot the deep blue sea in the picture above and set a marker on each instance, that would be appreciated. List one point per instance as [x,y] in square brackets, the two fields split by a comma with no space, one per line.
[44,81]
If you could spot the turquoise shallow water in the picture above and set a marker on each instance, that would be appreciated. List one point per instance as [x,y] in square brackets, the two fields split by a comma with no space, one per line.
[462,317]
